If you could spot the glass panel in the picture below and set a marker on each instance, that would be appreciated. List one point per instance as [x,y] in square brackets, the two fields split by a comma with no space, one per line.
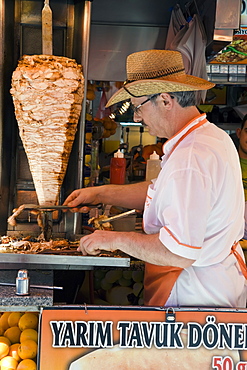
[31,11]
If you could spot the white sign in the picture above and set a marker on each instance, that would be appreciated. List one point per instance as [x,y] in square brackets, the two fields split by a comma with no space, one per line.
[243,19]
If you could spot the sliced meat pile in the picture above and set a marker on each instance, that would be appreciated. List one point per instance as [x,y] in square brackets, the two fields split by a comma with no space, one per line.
[26,245]
[95,221]
[47,93]
[30,245]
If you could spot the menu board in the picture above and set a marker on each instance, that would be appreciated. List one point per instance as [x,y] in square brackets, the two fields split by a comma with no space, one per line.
[243,17]
[96,337]
[236,51]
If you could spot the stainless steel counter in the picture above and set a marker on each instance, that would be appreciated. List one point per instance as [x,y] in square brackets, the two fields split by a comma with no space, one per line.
[57,262]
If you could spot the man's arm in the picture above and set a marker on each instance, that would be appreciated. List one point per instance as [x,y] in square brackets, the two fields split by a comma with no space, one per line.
[128,196]
[147,248]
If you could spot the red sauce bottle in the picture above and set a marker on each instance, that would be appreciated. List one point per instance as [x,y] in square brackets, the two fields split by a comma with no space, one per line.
[118,168]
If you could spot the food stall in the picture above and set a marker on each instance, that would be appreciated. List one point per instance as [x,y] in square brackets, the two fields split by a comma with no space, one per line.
[106,313]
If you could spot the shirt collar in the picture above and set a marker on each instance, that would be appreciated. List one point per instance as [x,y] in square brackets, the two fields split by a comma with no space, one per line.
[169,144]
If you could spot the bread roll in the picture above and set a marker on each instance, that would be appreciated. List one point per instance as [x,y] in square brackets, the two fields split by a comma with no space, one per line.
[151,359]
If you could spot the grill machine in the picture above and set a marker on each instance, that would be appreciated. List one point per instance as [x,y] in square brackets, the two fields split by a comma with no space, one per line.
[71,26]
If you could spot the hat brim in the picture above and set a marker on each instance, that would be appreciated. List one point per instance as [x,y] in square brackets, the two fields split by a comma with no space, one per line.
[148,87]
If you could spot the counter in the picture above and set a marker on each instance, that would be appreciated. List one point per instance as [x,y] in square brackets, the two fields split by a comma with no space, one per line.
[53,262]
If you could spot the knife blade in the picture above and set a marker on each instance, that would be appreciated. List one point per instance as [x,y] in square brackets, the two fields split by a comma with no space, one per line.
[121,215]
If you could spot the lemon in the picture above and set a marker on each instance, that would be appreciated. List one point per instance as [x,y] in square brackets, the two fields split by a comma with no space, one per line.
[28,349]
[28,321]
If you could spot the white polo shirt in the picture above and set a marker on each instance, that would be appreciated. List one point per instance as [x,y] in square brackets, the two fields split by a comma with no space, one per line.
[197,206]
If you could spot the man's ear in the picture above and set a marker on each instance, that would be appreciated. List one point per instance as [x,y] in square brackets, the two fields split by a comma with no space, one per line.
[167,99]
[238,132]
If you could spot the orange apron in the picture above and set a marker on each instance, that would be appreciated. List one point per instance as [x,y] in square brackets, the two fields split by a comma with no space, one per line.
[158,283]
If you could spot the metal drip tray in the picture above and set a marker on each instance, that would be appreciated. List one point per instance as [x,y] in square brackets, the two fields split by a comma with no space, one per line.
[58,262]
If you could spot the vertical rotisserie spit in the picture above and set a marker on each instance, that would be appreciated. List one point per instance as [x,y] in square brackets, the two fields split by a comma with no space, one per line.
[47,93]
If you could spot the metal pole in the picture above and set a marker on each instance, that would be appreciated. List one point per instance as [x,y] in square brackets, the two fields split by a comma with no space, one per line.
[2,36]
[84,62]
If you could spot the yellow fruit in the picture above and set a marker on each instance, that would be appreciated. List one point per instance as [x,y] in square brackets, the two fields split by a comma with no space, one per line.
[28,321]
[13,351]
[35,313]
[118,295]
[107,125]
[4,346]
[27,365]
[14,318]
[106,134]
[13,334]
[2,330]
[113,275]
[88,117]
[137,276]
[4,320]
[90,95]
[88,137]
[87,158]
[8,363]
[28,349]
[29,334]
[113,131]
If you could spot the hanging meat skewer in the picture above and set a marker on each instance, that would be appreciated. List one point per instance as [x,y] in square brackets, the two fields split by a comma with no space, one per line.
[47,92]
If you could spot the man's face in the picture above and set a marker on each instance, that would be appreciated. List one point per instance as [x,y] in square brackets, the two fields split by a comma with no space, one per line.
[152,115]
[242,135]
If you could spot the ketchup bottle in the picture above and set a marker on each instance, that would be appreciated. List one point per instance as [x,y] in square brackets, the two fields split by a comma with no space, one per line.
[118,168]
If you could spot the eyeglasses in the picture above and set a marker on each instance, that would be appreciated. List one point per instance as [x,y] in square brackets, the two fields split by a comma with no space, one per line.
[136,109]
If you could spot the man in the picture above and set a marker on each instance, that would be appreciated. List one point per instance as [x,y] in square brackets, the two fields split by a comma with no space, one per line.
[194,211]
[242,151]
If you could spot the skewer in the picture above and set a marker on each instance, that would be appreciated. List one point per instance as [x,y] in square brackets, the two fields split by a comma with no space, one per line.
[47,29]
[121,215]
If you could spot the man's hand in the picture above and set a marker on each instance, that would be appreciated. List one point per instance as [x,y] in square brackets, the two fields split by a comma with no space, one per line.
[79,197]
[99,240]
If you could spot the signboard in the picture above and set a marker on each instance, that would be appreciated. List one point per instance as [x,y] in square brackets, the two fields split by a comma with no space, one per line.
[236,51]
[95,337]
[243,17]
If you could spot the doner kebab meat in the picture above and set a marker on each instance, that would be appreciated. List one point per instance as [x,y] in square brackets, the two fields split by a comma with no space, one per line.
[47,92]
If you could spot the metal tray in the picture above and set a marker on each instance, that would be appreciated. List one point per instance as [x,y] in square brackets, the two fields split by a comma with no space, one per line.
[58,262]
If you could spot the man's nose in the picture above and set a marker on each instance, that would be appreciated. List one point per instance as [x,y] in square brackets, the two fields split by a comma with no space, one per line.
[137,117]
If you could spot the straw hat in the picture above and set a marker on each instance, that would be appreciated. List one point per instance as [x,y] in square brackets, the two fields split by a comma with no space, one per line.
[156,71]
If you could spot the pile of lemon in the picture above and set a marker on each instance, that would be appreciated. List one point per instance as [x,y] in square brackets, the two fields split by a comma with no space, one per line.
[18,340]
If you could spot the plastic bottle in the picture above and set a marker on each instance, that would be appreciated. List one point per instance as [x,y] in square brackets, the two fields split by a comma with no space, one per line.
[153,166]
[118,168]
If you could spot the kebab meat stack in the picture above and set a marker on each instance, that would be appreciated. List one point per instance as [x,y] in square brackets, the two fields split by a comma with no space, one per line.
[47,92]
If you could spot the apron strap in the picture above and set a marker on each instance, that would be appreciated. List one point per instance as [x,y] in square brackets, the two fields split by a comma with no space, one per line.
[240,260]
